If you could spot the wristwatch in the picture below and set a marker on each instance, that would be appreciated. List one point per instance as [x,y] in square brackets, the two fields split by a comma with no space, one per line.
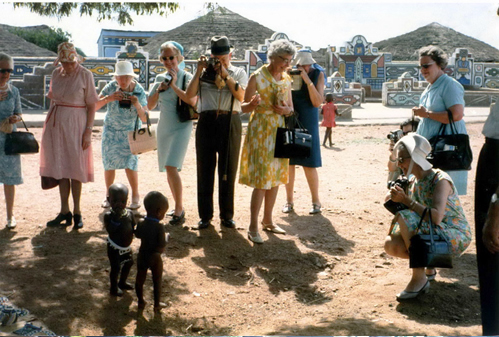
[493,200]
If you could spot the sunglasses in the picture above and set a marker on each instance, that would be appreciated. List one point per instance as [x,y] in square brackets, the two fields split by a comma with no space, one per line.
[5,71]
[427,65]
[164,58]
[401,159]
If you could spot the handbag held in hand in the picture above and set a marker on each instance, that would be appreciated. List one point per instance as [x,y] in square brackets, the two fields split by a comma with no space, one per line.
[292,143]
[144,139]
[20,142]
[429,250]
[450,152]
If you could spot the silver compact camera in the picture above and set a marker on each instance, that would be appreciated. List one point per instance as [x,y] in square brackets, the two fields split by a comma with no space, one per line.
[168,78]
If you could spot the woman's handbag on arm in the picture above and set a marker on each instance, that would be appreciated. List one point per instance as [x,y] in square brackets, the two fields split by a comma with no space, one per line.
[429,250]
[450,152]
[185,112]
[144,139]
[20,142]
[292,142]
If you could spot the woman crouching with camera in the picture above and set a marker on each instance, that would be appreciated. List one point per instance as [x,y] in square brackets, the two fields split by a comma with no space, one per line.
[428,188]
[125,99]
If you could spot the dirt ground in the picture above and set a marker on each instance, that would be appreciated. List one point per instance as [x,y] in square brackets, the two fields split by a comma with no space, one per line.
[328,276]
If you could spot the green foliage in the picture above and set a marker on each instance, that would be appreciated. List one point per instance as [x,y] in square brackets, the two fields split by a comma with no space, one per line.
[48,38]
[119,11]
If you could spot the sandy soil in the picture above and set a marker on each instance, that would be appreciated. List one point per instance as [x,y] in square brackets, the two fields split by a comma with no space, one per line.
[328,276]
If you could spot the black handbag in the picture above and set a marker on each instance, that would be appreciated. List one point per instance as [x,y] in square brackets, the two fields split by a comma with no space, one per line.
[291,142]
[20,142]
[429,250]
[450,152]
[185,112]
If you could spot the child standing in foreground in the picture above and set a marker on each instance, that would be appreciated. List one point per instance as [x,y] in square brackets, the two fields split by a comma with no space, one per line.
[120,225]
[153,241]
[330,111]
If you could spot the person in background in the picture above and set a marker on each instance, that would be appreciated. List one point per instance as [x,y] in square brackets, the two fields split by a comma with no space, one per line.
[173,135]
[444,93]
[268,97]
[218,130]
[306,102]
[329,111]
[487,223]
[409,125]
[125,99]
[66,146]
[10,114]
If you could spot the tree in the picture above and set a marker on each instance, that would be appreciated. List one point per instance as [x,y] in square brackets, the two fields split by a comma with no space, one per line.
[119,11]
[48,38]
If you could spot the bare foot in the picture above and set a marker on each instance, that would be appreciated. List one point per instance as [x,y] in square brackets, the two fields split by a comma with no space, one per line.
[159,306]
[142,305]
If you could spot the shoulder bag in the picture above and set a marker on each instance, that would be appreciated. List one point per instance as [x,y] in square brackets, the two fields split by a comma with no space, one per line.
[429,250]
[144,139]
[20,142]
[450,152]
[292,142]
[185,112]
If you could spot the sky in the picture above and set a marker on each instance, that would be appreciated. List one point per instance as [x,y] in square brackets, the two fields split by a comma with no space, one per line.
[317,24]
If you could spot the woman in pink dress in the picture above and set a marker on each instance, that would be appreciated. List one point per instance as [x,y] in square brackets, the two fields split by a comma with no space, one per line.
[329,111]
[66,151]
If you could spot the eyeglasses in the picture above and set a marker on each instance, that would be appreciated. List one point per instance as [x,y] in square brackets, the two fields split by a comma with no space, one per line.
[164,58]
[401,159]
[285,60]
[4,71]
[427,65]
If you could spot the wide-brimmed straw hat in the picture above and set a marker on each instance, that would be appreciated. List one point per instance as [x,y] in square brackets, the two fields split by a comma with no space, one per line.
[124,68]
[220,45]
[66,52]
[418,148]
[303,57]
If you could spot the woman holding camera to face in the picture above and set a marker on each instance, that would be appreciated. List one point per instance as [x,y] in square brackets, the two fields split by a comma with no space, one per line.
[428,188]
[125,99]
[173,135]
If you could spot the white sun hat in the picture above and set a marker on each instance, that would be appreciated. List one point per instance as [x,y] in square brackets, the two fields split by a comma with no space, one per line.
[418,148]
[124,68]
[303,58]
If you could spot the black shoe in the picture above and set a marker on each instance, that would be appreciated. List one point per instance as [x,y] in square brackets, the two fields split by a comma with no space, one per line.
[177,220]
[68,217]
[204,224]
[125,286]
[228,223]
[78,221]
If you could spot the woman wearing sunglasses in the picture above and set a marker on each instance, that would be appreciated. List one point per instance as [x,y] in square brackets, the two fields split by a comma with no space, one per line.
[10,112]
[173,135]
[428,188]
[443,93]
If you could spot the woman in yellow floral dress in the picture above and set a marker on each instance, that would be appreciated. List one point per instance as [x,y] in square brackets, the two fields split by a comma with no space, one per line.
[268,97]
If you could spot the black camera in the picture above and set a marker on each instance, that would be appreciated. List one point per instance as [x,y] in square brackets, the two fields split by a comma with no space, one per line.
[391,205]
[210,73]
[395,135]
[125,103]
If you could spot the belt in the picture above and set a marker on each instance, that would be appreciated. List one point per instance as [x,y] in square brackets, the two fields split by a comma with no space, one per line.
[54,108]
[122,250]
[492,141]
[219,112]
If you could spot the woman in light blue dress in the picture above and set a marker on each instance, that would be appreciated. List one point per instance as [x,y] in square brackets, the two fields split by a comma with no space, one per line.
[120,119]
[10,113]
[442,94]
[173,135]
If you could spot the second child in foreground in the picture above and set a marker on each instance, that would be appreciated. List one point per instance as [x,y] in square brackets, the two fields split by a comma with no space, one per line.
[153,241]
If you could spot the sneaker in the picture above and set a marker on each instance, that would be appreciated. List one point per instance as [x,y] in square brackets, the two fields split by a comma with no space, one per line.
[288,208]
[11,223]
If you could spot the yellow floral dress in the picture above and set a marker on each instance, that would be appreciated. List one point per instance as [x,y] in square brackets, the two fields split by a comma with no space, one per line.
[259,169]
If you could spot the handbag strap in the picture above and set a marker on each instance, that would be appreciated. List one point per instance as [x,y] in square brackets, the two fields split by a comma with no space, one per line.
[430,221]
[22,120]
[137,125]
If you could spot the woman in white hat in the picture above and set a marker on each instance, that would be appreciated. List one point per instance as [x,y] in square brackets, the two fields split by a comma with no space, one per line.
[306,102]
[428,188]
[125,99]
[66,146]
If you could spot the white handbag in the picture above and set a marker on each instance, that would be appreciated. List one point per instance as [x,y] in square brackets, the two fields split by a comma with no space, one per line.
[144,139]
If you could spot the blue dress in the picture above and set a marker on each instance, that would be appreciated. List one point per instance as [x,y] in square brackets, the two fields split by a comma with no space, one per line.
[116,154]
[173,135]
[308,115]
[10,165]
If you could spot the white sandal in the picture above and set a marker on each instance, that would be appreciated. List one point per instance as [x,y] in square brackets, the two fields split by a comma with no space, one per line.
[273,228]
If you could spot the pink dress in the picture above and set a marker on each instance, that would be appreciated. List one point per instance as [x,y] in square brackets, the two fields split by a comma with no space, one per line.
[61,153]
[329,114]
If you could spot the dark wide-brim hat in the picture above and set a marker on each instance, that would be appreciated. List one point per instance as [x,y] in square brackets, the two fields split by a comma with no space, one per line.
[220,45]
